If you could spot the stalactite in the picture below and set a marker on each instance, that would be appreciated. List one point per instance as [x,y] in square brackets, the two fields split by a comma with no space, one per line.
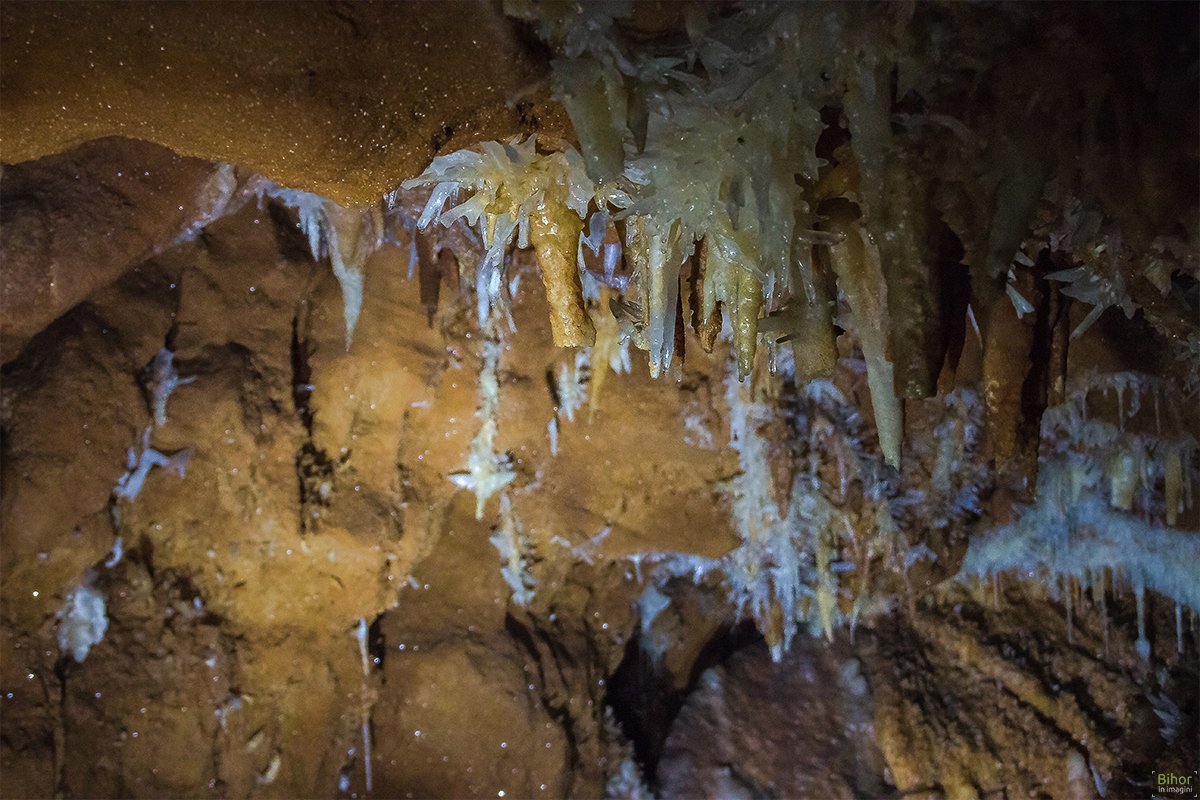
[1005,364]
[655,254]
[367,700]
[807,325]
[706,308]
[429,270]
[554,232]
[348,236]
[912,288]
[1173,483]
[606,354]
[595,98]
[523,196]
[1123,478]
[748,292]
[826,584]
[855,261]
[713,160]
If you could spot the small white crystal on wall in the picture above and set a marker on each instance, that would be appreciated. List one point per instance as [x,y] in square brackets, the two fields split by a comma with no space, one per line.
[82,621]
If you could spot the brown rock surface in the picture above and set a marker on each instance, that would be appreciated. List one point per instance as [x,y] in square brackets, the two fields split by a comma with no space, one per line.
[317,501]
[73,223]
[314,608]
[1008,694]
[317,483]
[753,728]
[342,99]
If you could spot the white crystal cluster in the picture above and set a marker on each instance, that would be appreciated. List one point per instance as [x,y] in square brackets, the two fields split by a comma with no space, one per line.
[1111,484]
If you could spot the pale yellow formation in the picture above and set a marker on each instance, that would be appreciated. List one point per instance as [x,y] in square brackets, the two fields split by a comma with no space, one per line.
[607,344]
[855,261]
[553,231]
[707,322]
[1173,483]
